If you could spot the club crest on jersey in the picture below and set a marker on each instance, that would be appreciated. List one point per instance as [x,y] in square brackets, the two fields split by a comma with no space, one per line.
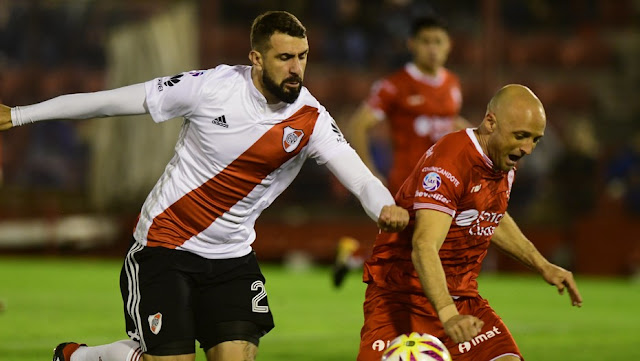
[155,323]
[431,182]
[291,139]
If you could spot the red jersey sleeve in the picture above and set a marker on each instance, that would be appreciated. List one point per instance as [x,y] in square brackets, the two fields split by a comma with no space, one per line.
[383,97]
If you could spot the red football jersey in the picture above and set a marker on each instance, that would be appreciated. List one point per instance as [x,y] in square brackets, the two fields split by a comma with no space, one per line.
[455,177]
[420,109]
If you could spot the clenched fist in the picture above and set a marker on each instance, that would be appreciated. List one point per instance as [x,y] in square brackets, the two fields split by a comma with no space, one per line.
[5,117]
[393,218]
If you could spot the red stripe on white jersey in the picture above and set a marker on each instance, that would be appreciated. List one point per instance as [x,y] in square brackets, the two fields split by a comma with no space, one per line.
[198,209]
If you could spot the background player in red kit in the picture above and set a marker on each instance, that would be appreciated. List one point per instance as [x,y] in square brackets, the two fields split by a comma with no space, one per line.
[421,103]
[424,278]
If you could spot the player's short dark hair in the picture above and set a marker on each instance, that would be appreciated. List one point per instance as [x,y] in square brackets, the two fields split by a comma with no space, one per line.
[266,24]
[429,21]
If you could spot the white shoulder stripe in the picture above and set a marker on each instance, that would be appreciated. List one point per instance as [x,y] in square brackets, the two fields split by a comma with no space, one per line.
[435,207]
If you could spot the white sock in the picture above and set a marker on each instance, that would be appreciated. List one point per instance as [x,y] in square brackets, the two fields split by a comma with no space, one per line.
[125,350]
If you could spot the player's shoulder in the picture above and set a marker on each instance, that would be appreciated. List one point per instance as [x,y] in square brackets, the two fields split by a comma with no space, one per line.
[451,77]
[453,147]
[398,77]
[223,80]
[225,72]
[307,99]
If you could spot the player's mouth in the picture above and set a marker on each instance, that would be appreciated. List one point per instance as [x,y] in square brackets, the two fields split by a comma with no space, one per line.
[293,82]
[513,159]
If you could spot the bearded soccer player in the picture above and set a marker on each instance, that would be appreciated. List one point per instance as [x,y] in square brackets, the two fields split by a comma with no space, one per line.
[420,102]
[190,273]
[423,279]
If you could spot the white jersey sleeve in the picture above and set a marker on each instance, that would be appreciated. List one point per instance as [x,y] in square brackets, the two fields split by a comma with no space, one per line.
[328,145]
[128,100]
[327,139]
[175,96]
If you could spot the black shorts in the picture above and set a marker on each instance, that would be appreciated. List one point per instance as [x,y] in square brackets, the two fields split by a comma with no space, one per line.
[172,298]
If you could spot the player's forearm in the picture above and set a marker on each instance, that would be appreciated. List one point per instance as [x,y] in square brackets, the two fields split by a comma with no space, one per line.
[122,101]
[510,239]
[354,175]
[433,280]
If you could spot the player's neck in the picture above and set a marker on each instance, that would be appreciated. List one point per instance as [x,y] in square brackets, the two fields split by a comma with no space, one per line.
[428,70]
[257,82]
[483,138]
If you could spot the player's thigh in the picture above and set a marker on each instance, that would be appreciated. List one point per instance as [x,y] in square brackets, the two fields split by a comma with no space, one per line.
[388,315]
[494,340]
[232,304]
[157,293]
[233,351]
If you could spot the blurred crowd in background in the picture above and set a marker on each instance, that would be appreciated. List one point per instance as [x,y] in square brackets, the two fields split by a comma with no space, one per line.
[580,57]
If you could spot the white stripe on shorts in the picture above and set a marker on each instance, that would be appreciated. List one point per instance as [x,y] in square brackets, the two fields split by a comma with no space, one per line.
[132,269]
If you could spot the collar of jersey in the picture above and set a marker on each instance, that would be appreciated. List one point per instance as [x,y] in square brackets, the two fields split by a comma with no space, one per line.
[487,161]
[435,81]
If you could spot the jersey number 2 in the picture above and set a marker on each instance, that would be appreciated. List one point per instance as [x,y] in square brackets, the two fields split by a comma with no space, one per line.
[255,286]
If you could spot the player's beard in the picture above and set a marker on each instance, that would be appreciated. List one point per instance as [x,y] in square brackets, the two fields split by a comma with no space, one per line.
[282,92]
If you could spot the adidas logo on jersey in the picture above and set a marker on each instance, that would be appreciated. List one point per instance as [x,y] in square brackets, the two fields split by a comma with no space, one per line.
[221,121]
[173,80]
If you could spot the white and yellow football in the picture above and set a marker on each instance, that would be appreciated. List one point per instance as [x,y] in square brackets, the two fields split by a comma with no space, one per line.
[416,347]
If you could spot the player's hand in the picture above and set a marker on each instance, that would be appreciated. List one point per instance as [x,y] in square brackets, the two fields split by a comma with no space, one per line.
[562,279]
[393,218]
[461,328]
[5,117]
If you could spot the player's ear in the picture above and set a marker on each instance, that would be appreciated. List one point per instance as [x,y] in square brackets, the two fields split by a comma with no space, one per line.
[491,121]
[256,59]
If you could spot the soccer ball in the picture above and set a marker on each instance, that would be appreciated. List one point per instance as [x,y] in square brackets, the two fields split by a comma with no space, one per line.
[416,347]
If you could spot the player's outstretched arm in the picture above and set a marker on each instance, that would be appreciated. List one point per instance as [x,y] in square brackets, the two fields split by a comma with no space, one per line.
[129,100]
[510,239]
[430,232]
[5,117]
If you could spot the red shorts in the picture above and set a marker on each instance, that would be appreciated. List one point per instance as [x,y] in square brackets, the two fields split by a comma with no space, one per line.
[388,314]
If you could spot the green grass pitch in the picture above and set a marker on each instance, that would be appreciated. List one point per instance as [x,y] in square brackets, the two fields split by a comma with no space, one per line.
[50,300]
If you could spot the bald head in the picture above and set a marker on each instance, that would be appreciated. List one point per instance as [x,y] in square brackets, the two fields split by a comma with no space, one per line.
[515,101]
[513,124]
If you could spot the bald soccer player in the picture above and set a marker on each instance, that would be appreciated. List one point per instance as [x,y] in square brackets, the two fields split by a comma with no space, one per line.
[424,278]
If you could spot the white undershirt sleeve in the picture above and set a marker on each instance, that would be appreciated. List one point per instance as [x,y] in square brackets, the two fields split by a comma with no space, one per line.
[354,174]
[128,100]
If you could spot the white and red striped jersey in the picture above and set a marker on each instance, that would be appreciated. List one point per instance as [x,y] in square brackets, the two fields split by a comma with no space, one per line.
[235,154]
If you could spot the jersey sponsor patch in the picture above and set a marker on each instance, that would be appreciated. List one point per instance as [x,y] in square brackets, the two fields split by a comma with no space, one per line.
[431,182]
[444,172]
[155,323]
[291,138]
[465,218]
